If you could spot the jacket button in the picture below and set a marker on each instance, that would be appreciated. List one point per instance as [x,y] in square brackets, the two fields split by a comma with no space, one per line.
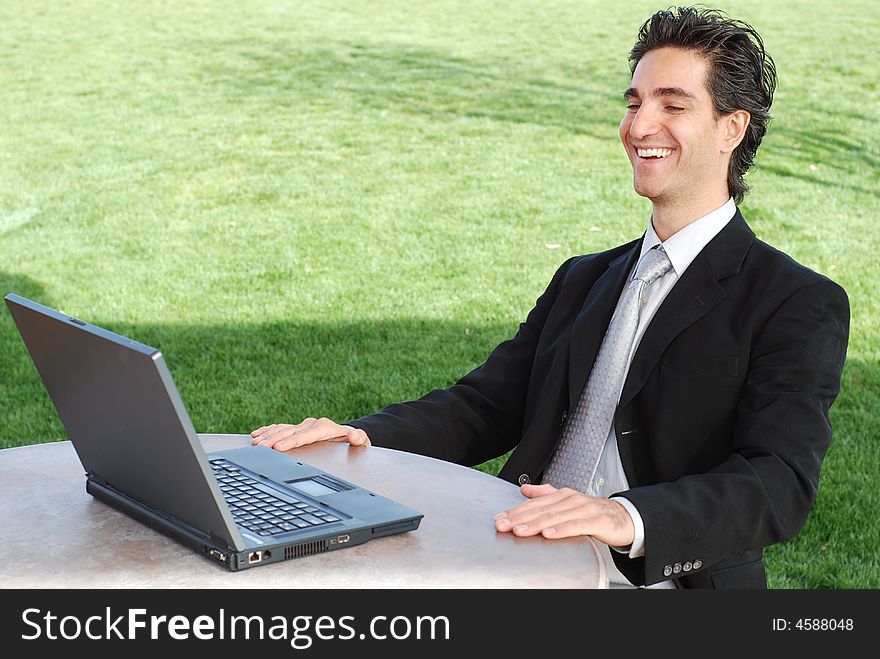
[667,571]
[687,566]
[698,564]
[677,568]
[564,417]
[523,479]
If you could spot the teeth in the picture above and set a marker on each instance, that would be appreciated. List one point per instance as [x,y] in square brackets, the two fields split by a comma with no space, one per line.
[653,153]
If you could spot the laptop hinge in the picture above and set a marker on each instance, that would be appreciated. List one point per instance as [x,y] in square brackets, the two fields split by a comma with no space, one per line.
[220,542]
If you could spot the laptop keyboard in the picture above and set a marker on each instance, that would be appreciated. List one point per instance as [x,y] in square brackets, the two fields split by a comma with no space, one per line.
[256,509]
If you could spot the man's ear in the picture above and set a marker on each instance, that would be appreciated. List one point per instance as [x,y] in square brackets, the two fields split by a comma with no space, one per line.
[733,129]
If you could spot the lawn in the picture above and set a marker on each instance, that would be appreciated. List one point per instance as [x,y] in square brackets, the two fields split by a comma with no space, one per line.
[320,208]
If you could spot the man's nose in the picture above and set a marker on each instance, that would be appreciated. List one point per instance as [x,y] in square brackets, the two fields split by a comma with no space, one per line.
[643,124]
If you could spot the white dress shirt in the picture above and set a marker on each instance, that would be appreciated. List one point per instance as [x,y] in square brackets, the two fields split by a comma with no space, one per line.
[682,248]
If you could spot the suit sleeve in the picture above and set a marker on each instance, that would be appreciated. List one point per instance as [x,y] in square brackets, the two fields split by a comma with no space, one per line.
[479,417]
[762,493]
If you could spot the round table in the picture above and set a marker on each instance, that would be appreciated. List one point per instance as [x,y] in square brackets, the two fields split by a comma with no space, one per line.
[57,536]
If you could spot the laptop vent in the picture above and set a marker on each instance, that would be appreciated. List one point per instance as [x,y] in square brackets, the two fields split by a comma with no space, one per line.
[305,549]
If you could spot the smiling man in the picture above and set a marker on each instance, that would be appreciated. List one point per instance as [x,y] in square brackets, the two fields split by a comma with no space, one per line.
[670,396]
[679,149]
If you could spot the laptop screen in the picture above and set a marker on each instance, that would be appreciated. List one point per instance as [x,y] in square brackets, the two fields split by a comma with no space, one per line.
[123,414]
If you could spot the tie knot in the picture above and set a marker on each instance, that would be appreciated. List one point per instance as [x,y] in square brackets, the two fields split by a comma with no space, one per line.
[654,264]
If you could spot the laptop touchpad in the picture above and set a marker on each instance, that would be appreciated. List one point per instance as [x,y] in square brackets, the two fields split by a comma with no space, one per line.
[311,487]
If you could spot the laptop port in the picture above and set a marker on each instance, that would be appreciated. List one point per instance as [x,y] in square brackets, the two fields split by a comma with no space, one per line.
[220,556]
[258,556]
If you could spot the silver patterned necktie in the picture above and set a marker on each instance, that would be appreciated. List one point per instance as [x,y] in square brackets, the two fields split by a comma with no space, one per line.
[586,432]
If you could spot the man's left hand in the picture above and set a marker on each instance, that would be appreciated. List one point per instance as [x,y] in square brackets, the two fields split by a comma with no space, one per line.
[555,513]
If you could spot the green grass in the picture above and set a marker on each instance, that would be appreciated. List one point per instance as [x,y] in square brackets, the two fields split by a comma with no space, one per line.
[320,208]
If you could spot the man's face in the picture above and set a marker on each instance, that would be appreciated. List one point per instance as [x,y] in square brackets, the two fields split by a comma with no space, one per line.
[670,133]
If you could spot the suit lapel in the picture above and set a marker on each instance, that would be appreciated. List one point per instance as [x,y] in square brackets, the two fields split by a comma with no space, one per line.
[589,327]
[693,296]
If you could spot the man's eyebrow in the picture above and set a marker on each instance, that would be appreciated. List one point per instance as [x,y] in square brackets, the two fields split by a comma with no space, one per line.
[632,92]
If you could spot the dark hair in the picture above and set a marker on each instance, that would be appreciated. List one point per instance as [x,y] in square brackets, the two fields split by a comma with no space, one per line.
[742,76]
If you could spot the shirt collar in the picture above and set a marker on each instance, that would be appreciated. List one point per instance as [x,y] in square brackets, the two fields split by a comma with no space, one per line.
[683,246]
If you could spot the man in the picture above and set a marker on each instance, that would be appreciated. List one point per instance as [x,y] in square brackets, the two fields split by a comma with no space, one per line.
[671,395]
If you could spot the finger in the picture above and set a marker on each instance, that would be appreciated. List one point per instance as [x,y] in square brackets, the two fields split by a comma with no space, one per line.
[259,432]
[532,522]
[275,430]
[553,520]
[322,429]
[353,436]
[540,501]
[357,437]
[546,511]
[532,491]
[526,529]
[298,438]
[277,435]
[567,529]
[529,491]
[284,437]
[581,515]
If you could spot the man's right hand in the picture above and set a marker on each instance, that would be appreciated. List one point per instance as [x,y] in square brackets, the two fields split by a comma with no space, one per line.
[285,436]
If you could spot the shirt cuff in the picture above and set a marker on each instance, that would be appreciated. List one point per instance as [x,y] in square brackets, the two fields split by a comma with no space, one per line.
[637,548]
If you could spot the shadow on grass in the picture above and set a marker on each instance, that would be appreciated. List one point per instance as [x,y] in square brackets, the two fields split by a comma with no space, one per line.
[234,378]
[420,81]
[819,157]
[415,80]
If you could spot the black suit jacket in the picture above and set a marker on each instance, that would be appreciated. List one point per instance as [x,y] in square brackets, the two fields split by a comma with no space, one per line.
[723,420]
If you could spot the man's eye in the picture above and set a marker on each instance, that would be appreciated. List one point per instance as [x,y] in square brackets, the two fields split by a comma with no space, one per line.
[632,106]
[674,108]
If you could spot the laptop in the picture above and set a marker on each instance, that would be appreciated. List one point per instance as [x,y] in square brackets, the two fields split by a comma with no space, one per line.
[240,508]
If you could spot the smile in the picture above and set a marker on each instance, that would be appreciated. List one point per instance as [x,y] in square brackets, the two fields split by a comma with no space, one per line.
[654,153]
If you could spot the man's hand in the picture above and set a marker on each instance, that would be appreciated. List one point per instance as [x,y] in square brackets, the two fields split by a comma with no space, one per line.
[564,513]
[285,436]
